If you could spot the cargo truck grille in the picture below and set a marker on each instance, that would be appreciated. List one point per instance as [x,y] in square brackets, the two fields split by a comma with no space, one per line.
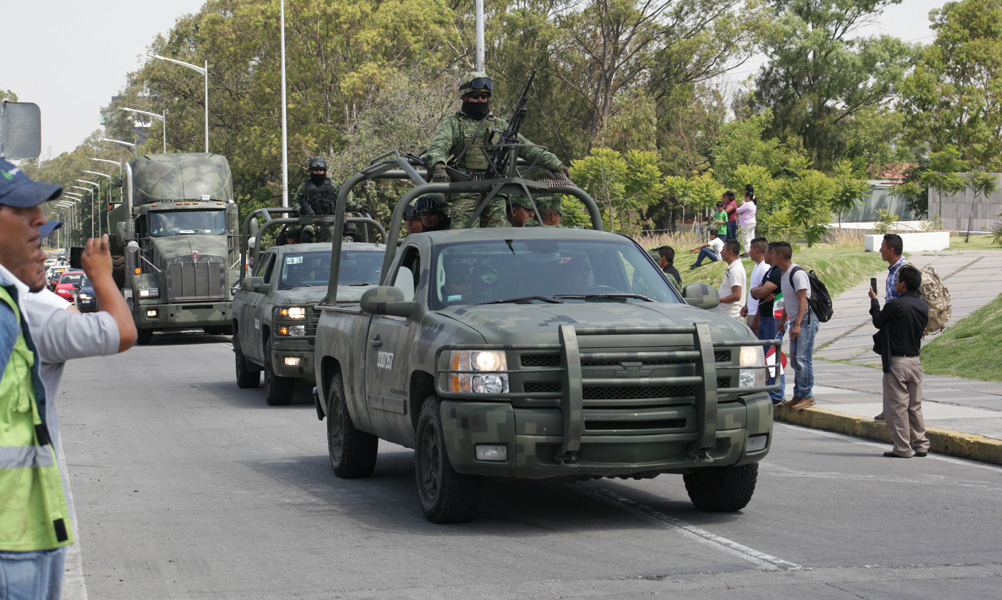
[200,281]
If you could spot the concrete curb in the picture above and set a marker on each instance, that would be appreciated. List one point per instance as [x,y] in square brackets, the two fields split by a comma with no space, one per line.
[944,441]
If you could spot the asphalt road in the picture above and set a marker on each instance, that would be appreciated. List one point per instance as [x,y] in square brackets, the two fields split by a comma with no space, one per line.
[186,486]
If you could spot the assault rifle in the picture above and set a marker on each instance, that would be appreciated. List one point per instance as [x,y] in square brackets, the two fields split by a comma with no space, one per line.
[505,148]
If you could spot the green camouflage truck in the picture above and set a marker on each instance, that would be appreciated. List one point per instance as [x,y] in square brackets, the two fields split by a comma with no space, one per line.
[274,307]
[174,242]
[538,353]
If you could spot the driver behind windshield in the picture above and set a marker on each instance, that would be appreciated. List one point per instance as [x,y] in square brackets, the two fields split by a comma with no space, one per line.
[458,286]
[576,275]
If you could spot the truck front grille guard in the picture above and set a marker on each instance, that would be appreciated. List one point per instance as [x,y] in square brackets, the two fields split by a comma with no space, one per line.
[705,356]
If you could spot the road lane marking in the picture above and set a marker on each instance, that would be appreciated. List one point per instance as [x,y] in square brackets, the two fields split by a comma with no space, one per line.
[763,561]
[74,585]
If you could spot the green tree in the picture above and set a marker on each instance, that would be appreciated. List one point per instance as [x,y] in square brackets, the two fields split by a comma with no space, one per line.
[8,96]
[808,207]
[943,174]
[622,185]
[954,96]
[982,184]
[819,75]
[849,191]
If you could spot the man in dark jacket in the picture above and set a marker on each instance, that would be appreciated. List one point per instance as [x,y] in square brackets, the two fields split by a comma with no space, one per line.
[901,323]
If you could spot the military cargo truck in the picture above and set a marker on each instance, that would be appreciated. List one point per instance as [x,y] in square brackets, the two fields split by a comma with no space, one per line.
[174,242]
[537,353]
[274,307]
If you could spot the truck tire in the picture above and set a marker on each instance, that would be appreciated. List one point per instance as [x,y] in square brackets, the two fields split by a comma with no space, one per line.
[277,390]
[248,376]
[144,336]
[722,489]
[352,452]
[446,496]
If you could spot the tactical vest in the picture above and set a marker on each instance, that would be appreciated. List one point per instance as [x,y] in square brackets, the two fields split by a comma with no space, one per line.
[33,510]
[321,198]
[475,158]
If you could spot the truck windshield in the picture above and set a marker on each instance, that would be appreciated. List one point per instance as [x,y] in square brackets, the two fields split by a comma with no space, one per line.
[531,271]
[187,222]
[313,269]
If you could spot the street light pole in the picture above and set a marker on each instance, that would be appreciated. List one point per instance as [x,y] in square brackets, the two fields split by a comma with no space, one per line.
[135,148]
[98,186]
[285,125]
[162,117]
[109,193]
[205,73]
[114,162]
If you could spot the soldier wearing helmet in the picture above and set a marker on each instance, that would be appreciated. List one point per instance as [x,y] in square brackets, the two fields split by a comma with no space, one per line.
[412,220]
[434,212]
[521,213]
[318,194]
[464,139]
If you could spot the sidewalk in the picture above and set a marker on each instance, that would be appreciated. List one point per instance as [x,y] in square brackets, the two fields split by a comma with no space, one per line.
[963,417]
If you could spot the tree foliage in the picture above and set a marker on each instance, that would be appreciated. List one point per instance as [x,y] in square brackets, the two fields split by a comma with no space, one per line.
[954,96]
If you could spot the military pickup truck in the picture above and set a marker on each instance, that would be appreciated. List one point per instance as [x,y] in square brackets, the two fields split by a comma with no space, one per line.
[274,308]
[537,353]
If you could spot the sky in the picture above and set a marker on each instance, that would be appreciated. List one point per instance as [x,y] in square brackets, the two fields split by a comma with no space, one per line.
[71,56]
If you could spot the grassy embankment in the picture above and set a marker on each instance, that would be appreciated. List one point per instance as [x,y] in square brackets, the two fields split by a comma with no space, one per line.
[968,348]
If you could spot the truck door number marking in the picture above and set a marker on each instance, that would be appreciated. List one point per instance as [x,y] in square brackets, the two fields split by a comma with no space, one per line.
[384,360]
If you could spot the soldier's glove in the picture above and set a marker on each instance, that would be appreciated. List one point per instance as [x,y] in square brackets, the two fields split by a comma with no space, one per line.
[438,174]
[365,211]
[564,173]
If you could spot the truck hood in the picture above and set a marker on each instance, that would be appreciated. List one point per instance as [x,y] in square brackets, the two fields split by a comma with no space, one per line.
[538,323]
[301,295]
[175,246]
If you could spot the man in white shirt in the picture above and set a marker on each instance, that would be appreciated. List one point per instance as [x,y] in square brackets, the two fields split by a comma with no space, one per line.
[710,250]
[732,297]
[796,287]
[757,253]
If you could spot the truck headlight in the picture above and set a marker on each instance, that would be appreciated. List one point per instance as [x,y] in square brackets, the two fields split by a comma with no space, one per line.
[292,330]
[751,356]
[485,372]
[149,292]
[292,312]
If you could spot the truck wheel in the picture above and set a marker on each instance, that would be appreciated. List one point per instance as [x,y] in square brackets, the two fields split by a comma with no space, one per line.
[446,496]
[353,452]
[144,336]
[722,489]
[247,375]
[277,390]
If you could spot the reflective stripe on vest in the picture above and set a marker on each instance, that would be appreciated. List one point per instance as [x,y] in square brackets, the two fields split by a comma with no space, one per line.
[33,511]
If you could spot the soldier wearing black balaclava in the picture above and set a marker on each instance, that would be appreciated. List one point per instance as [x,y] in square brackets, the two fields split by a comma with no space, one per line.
[318,194]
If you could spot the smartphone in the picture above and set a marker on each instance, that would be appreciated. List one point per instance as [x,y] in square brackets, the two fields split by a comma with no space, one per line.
[873,284]
[75,253]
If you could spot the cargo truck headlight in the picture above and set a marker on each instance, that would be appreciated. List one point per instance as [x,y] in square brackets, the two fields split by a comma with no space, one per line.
[292,312]
[292,330]
[480,372]
[752,356]
[149,292]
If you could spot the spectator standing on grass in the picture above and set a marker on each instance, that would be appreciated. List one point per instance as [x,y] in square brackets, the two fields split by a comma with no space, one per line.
[710,250]
[899,340]
[796,288]
[767,292]
[759,246]
[731,208]
[732,288]
[719,222]
[746,219]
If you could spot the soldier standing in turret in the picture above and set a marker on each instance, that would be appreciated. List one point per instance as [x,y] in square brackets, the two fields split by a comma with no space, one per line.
[463,140]
[316,196]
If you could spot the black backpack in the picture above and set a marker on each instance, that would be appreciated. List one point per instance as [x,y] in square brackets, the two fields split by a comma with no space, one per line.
[820,300]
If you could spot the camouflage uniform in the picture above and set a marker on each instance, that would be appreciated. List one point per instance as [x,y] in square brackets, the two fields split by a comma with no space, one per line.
[523,202]
[453,135]
[314,199]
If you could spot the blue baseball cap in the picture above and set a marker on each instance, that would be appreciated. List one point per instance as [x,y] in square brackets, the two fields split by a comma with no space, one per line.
[19,191]
[49,228]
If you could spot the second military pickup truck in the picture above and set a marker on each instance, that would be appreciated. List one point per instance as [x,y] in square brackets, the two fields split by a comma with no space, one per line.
[538,353]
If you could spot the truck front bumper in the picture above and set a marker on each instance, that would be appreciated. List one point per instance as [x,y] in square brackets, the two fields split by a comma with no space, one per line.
[293,357]
[533,439]
[183,316]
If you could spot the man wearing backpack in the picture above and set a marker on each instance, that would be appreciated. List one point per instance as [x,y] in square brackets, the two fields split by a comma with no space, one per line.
[796,288]
[901,323]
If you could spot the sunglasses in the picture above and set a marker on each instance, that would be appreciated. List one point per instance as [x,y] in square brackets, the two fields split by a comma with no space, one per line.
[479,95]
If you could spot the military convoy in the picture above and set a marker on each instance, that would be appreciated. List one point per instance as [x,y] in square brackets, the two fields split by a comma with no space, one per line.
[275,306]
[174,242]
[533,354]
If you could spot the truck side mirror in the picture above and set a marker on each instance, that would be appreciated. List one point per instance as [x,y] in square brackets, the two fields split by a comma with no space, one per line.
[386,300]
[701,295]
